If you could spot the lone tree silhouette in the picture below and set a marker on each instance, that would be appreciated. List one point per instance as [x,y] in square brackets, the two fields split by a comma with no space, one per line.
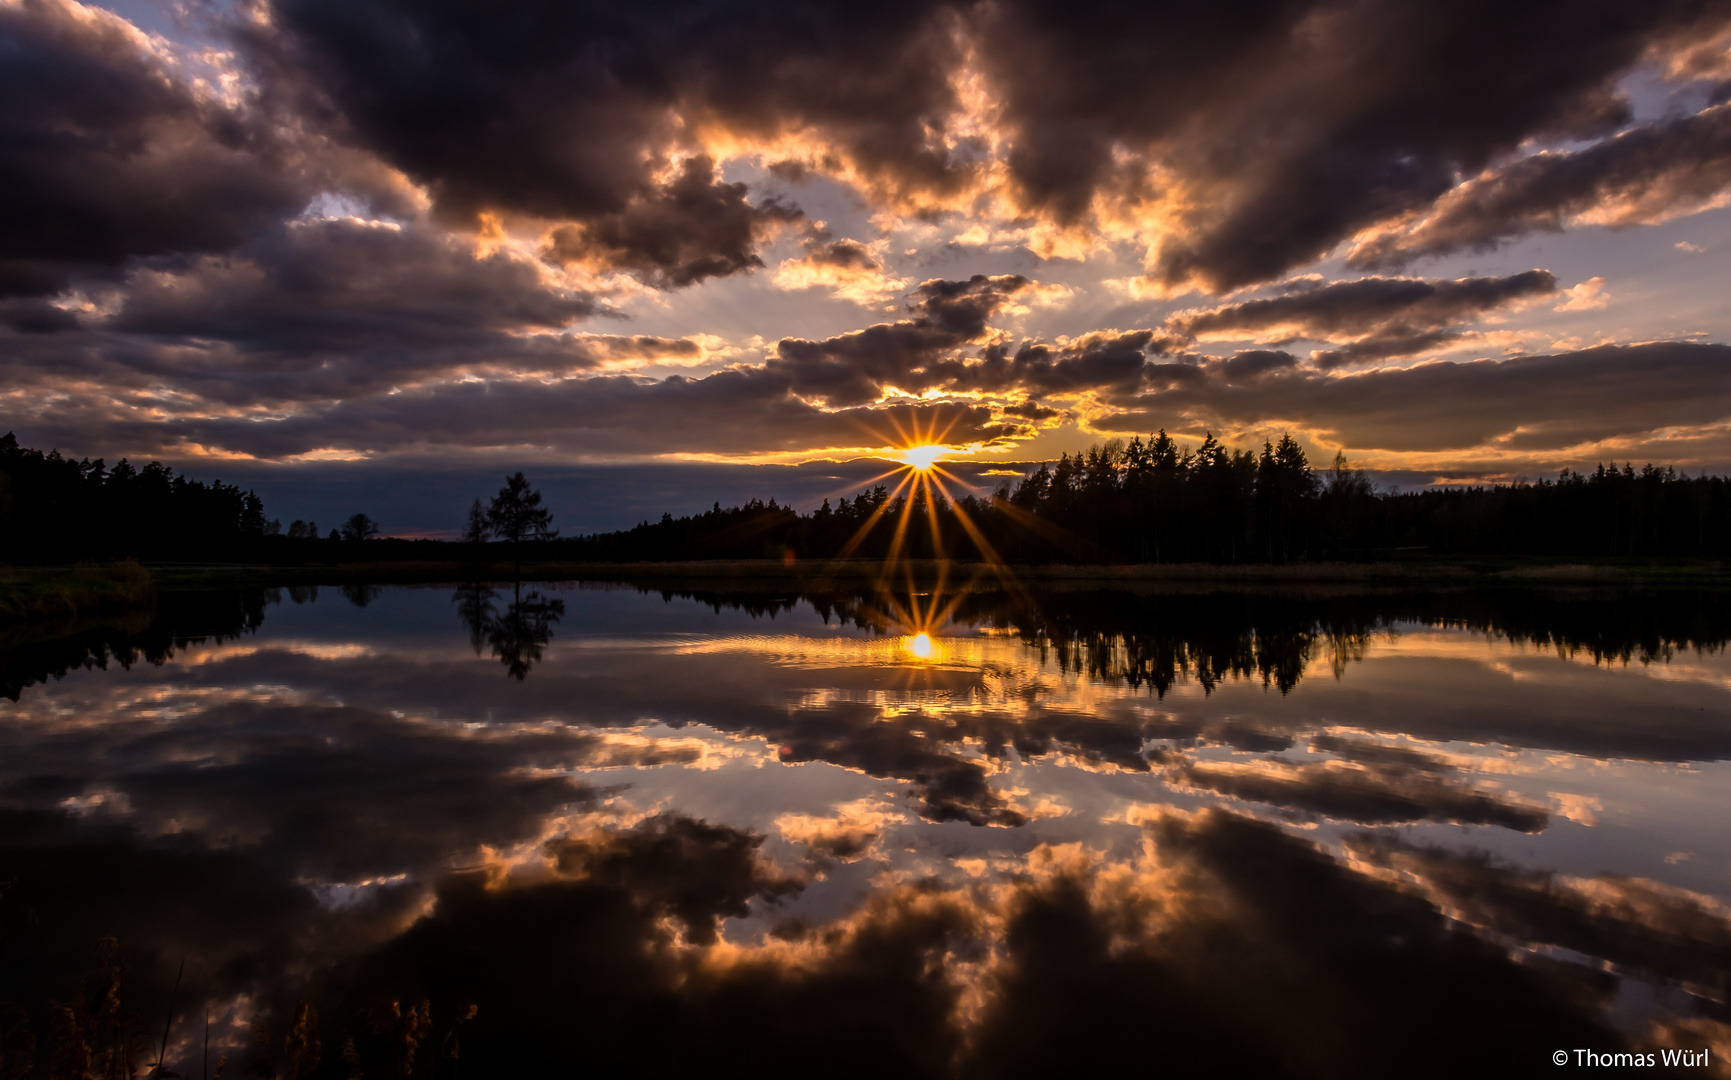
[475,532]
[516,515]
[360,527]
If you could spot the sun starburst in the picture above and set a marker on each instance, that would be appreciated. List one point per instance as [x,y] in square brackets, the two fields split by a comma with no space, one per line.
[924,457]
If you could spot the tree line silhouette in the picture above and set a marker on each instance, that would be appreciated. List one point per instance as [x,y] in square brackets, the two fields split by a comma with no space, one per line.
[1158,502]
[56,509]
[53,508]
[1148,500]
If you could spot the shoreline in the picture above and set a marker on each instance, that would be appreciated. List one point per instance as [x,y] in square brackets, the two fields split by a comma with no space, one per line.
[35,598]
[1493,572]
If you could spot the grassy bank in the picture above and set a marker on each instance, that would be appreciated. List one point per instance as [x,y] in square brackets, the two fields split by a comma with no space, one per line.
[54,595]
[770,572]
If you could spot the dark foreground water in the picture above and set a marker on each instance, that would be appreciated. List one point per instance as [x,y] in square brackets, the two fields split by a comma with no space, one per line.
[1071,833]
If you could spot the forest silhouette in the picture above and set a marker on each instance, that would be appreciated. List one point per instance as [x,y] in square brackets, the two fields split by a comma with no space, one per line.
[1145,501]
[1154,501]
[53,508]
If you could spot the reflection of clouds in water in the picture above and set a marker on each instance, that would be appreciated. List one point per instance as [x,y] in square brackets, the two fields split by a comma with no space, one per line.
[1372,794]
[1221,936]
[948,730]
[1519,660]
[1217,933]
[1639,927]
[847,834]
[337,780]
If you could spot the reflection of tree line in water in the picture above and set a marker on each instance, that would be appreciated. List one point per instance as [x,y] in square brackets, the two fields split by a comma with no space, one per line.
[180,619]
[1154,639]
[516,634]
[1142,638]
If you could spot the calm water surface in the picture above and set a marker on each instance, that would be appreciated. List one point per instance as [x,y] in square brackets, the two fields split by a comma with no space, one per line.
[973,833]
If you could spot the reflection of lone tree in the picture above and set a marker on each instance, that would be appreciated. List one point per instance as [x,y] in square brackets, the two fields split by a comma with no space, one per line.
[475,608]
[519,634]
[362,595]
[516,515]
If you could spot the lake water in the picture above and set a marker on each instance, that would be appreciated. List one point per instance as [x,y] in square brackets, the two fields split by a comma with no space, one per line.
[919,833]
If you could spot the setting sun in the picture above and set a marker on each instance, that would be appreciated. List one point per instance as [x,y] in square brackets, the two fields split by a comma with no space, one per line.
[922,458]
[921,646]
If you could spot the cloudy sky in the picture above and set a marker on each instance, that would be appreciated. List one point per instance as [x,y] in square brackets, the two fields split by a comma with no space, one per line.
[368,254]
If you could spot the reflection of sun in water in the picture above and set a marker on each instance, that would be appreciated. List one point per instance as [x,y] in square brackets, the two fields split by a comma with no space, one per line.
[922,458]
[921,451]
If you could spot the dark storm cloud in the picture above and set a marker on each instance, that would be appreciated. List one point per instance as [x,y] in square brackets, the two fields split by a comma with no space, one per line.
[336,322]
[332,308]
[926,352]
[1249,364]
[1526,402]
[1529,402]
[730,412]
[320,310]
[568,113]
[854,368]
[1294,125]
[693,228]
[33,315]
[219,316]
[1641,175]
[346,286]
[107,154]
[594,120]
[1378,317]
[844,255]
[1101,359]
[1029,410]
[1383,346]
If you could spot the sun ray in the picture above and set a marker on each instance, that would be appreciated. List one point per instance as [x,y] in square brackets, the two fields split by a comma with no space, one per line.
[901,532]
[1043,528]
[870,522]
[923,485]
